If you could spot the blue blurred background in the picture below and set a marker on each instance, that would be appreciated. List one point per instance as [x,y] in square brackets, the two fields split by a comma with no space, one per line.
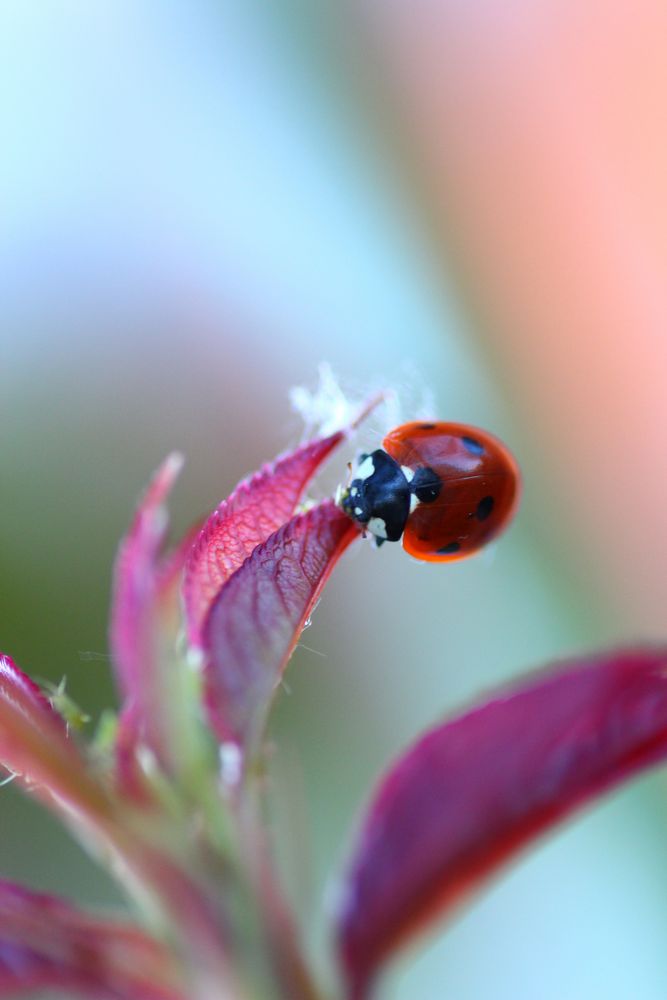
[199,203]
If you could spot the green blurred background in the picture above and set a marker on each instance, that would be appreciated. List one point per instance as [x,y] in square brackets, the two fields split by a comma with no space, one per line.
[199,203]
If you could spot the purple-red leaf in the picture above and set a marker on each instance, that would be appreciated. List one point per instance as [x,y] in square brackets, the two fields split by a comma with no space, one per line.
[46,943]
[474,790]
[35,745]
[257,507]
[144,584]
[258,616]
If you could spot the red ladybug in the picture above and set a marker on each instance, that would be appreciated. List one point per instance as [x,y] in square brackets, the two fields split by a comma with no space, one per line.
[445,489]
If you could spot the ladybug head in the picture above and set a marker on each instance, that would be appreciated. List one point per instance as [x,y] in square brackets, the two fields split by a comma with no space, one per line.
[378,496]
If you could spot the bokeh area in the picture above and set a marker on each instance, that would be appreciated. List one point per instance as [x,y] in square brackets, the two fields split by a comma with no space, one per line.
[200,203]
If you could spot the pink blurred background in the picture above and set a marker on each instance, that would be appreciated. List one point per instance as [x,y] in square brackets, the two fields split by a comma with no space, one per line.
[537,131]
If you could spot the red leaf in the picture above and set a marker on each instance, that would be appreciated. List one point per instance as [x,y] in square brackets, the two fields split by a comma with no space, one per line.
[46,943]
[35,745]
[257,507]
[258,616]
[145,585]
[474,790]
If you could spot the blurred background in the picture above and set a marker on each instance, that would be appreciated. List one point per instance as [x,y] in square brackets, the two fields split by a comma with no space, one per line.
[199,203]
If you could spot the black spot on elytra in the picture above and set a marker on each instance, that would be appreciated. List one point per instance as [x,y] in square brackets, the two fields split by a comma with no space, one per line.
[448,550]
[484,508]
[473,445]
[426,485]
[427,427]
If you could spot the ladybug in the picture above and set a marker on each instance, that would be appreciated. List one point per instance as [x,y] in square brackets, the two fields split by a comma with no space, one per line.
[446,489]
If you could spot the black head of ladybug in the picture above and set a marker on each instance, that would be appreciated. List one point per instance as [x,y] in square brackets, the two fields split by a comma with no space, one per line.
[379,496]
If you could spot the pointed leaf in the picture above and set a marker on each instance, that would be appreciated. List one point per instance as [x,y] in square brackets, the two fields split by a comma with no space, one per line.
[257,507]
[475,790]
[36,746]
[258,616]
[46,943]
[145,589]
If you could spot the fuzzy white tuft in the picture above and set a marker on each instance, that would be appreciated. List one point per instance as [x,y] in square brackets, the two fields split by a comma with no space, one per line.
[327,409]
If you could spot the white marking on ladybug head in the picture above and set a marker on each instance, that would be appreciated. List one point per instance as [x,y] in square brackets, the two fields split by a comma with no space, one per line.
[414,501]
[366,469]
[377,527]
[358,511]
[408,473]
